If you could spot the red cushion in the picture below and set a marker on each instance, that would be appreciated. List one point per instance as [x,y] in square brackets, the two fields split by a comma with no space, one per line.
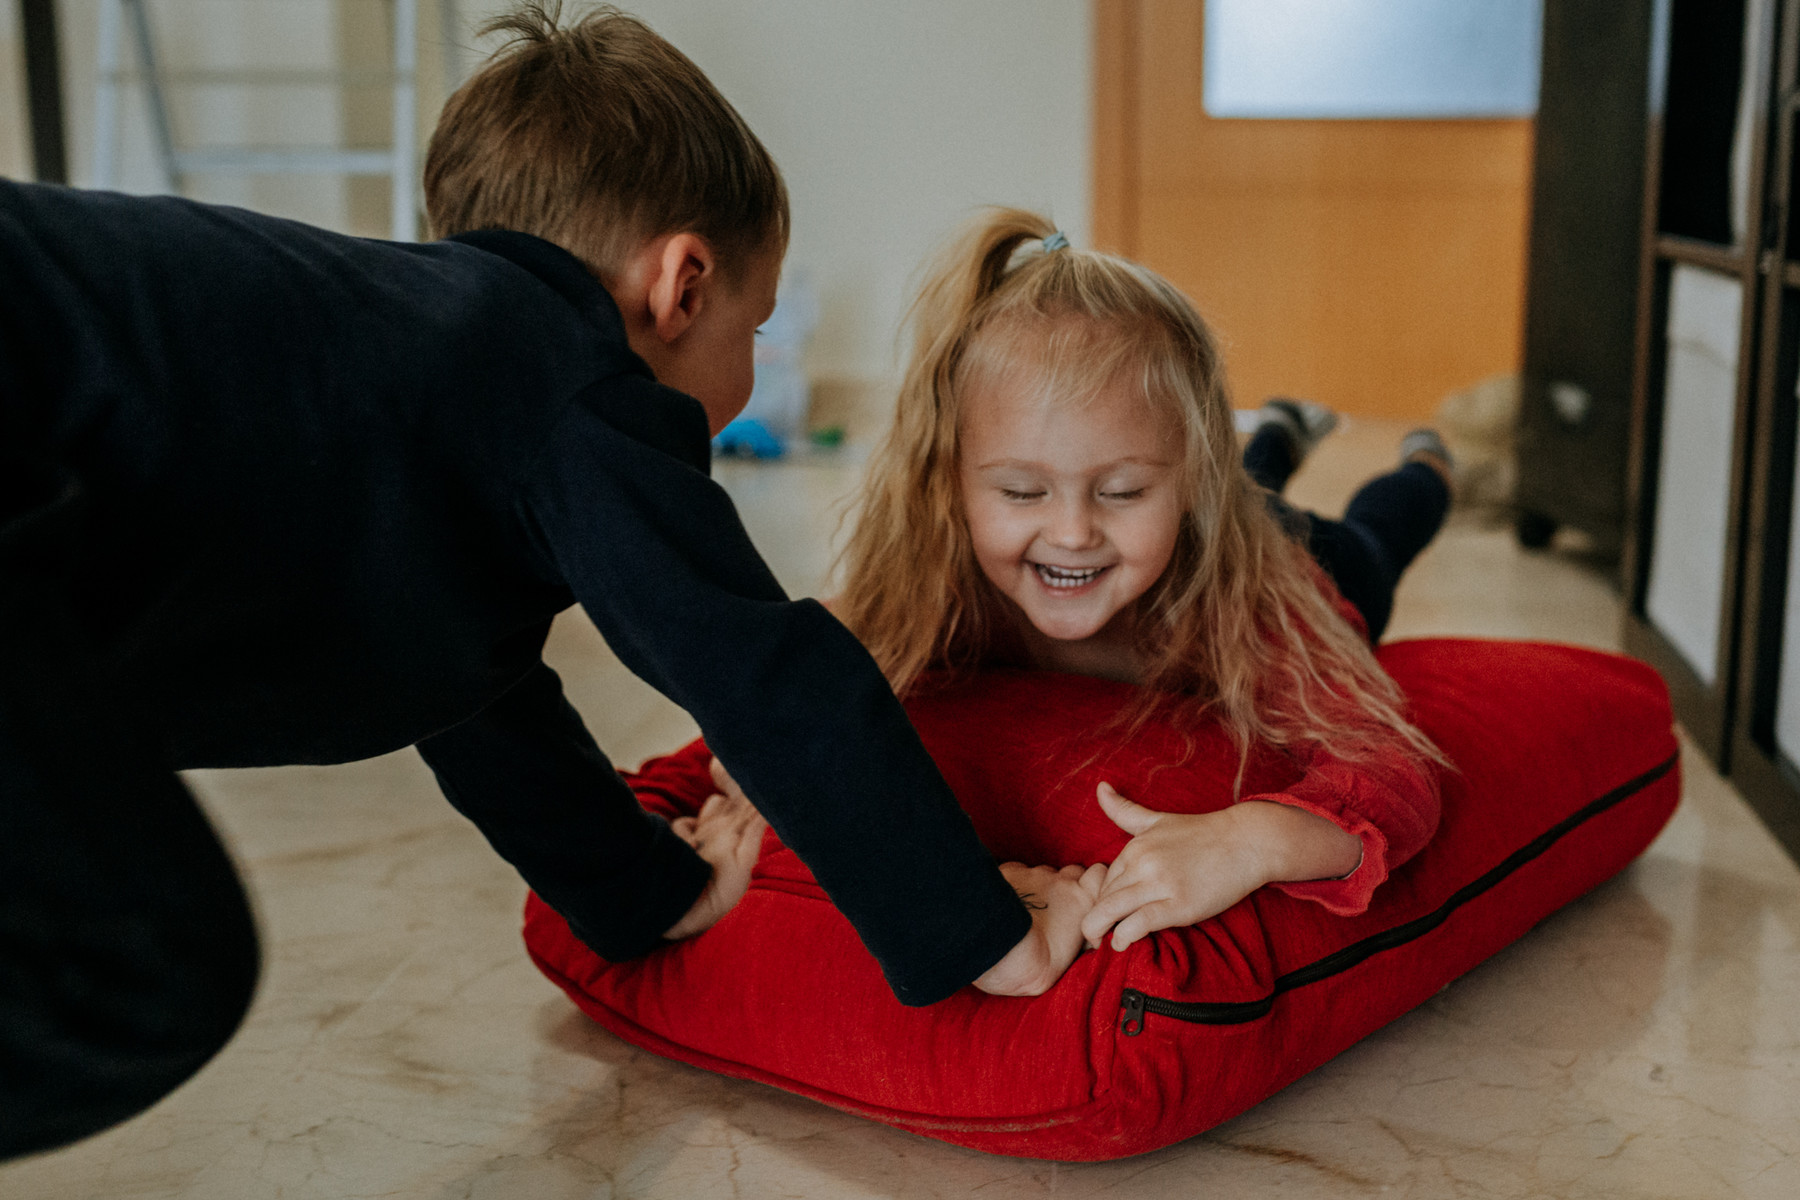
[1567,768]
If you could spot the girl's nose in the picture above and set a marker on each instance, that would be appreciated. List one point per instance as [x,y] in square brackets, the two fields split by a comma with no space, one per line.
[1072,525]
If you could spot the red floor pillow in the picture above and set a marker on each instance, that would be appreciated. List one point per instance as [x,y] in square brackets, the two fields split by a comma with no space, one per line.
[1567,768]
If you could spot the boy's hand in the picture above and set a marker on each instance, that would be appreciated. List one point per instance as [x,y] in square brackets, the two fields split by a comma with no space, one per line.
[728,834]
[1058,901]
[1181,868]
[725,783]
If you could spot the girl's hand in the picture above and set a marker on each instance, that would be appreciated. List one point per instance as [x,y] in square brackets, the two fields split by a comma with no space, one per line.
[1182,868]
[1058,900]
[728,834]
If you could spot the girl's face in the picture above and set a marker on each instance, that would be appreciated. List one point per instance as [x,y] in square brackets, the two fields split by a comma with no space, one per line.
[1073,509]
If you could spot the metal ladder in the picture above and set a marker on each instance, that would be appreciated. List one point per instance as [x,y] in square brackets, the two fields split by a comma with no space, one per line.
[119,18]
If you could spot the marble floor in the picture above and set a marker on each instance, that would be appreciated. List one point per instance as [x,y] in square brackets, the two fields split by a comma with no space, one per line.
[1645,1042]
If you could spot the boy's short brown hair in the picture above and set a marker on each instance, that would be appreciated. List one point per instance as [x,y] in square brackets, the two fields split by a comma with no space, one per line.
[599,136]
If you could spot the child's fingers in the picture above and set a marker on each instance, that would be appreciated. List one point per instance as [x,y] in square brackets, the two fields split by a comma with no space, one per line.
[1132,868]
[750,833]
[684,828]
[1078,875]
[752,827]
[734,809]
[1132,818]
[749,846]
[1089,879]
[723,781]
[1113,907]
[1090,883]
[729,811]
[739,805]
[709,838]
[1024,874]
[1094,927]
[1145,920]
[720,824]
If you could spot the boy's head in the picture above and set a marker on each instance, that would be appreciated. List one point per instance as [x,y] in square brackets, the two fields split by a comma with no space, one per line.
[603,138]
[600,136]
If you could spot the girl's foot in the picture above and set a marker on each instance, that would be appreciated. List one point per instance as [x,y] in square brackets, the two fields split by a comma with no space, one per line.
[1306,422]
[1424,445]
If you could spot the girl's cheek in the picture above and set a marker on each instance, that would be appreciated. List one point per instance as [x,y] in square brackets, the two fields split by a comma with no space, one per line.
[1162,534]
[995,522]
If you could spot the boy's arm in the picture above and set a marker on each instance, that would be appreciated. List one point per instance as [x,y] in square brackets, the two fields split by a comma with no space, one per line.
[625,514]
[527,773]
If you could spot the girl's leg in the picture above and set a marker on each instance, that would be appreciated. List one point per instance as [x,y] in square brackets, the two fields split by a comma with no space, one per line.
[1269,457]
[1388,522]
[127,950]
[1286,432]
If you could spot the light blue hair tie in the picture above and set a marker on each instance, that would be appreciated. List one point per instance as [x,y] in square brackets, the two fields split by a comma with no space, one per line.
[1056,241]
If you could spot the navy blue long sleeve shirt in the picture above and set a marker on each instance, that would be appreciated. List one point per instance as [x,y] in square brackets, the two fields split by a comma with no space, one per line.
[333,492]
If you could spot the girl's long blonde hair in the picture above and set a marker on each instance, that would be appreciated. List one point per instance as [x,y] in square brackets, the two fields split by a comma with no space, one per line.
[1236,625]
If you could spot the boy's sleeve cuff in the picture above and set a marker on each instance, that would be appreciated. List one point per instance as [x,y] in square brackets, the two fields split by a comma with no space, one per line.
[942,978]
[671,880]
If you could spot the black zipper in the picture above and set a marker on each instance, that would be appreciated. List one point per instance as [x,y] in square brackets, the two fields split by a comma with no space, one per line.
[1134,1004]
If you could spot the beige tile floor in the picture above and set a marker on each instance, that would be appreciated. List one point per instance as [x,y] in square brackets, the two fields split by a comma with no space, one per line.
[1643,1043]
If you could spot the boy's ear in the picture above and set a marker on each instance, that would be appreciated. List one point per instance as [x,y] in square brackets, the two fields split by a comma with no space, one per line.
[679,272]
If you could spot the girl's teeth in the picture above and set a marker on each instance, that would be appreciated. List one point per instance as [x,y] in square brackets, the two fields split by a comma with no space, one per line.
[1060,577]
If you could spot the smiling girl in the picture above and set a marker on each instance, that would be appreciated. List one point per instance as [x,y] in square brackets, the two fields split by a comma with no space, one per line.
[1062,491]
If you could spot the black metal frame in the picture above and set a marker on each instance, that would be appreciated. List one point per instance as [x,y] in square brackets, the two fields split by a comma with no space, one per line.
[43,90]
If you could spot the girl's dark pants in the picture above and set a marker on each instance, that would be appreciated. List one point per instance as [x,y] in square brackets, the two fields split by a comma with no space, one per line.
[1389,520]
[121,972]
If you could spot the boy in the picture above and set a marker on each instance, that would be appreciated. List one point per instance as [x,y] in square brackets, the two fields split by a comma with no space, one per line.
[271,495]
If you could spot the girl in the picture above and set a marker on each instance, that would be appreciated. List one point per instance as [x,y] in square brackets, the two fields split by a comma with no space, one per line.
[1061,490]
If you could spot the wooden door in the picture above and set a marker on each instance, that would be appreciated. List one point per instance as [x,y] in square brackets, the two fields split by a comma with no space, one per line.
[1375,265]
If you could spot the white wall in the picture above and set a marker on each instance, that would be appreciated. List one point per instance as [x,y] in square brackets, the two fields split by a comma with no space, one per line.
[892,122]
[15,152]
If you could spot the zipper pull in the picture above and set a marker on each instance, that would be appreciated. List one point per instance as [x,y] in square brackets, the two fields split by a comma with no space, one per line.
[1131,1023]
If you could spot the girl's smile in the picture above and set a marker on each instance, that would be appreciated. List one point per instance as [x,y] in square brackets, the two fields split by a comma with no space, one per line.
[1067,580]
[1073,509]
